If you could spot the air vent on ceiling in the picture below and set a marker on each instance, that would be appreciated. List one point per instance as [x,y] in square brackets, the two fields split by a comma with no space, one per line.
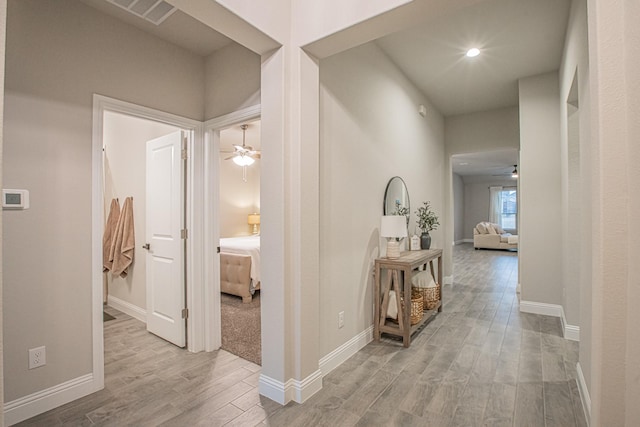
[155,11]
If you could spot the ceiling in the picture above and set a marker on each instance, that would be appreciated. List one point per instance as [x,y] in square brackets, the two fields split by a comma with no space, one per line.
[179,28]
[489,163]
[517,38]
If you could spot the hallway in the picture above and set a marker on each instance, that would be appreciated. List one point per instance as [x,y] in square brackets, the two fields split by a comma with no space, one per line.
[480,362]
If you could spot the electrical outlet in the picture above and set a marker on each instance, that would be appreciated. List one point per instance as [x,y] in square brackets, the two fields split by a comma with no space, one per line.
[340,319]
[37,357]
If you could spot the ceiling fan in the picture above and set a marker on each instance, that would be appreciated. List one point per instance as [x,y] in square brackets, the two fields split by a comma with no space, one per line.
[244,155]
[513,174]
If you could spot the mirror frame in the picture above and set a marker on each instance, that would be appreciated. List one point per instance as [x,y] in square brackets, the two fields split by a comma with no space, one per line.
[386,195]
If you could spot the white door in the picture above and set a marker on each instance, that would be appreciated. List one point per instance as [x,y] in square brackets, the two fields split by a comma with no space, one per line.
[165,250]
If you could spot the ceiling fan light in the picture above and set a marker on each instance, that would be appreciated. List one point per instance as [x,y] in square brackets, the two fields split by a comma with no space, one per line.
[514,174]
[243,160]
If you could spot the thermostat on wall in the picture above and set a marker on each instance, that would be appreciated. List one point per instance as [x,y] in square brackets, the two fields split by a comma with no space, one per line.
[15,199]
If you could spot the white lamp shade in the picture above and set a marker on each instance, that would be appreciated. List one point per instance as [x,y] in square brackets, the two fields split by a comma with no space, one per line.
[243,160]
[393,226]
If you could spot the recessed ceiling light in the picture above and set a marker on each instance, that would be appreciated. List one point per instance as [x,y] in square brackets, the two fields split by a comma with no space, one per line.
[474,51]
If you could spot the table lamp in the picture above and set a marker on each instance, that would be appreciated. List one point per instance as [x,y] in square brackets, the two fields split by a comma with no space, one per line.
[394,228]
[254,220]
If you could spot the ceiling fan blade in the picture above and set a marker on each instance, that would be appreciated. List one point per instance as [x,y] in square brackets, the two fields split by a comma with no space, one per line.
[230,157]
[256,155]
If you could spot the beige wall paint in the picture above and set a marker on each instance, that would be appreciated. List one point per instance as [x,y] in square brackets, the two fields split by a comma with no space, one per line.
[59,53]
[371,131]
[458,208]
[540,196]
[232,80]
[238,198]
[124,163]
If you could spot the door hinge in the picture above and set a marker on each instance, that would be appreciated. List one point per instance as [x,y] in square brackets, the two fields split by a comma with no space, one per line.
[185,313]
[184,154]
[218,249]
[184,233]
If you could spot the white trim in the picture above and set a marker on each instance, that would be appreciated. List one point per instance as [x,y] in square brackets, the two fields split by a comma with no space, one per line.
[569,332]
[298,391]
[584,394]
[541,308]
[212,336]
[461,241]
[127,308]
[338,356]
[518,288]
[42,401]
[448,280]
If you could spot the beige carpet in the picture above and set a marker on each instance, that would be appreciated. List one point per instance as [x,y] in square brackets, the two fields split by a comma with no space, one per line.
[241,327]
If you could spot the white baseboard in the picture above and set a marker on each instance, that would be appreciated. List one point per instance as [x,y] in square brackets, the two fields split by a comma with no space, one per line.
[299,391]
[42,401]
[338,356]
[570,332]
[128,308]
[295,390]
[467,240]
[584,394]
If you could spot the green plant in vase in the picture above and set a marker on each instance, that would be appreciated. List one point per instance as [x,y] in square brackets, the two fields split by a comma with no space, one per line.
[427,221]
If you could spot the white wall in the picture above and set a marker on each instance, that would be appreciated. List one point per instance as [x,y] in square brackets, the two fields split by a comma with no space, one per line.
[237,197]
[124,139]
[578,301]
[232,80]
[476,199]
[458,208]
[3,20]
[59,53]
[370,132]
[540,195]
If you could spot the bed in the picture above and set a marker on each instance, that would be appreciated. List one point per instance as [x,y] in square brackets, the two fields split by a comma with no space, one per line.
[240,266]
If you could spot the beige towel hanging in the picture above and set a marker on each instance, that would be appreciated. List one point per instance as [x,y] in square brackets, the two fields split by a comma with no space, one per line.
[124,241]
[109,233]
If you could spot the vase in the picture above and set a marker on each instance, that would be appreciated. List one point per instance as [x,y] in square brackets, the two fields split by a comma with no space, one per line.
[425,241]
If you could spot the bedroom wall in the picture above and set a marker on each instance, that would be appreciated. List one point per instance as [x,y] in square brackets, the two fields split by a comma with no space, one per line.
[232,80]
[59,53]
[540,263]
[238,198]
[124,157]
[458,208]
[476,199]
[370,131]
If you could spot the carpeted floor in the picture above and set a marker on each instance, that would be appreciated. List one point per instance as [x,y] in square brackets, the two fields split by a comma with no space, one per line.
[241,327]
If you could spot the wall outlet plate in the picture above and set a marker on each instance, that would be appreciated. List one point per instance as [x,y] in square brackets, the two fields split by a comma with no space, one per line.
[340,319]
[37,357]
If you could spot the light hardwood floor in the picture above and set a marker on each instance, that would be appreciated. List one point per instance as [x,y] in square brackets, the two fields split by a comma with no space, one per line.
[479,363]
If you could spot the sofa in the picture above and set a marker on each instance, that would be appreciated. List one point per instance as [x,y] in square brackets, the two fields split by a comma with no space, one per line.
[487,235]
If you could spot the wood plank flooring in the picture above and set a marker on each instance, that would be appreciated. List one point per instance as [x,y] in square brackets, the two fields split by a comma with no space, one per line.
[479,363]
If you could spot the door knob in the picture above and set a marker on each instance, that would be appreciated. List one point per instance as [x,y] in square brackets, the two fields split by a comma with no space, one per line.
[146,246]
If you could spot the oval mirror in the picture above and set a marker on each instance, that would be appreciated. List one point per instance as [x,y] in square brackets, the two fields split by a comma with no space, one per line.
[396,198]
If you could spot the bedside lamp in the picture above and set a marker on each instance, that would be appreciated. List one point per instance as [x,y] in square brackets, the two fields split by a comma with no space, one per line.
[394,228]
[254,219]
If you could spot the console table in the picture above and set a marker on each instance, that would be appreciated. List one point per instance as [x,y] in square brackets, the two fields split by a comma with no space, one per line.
[398,278]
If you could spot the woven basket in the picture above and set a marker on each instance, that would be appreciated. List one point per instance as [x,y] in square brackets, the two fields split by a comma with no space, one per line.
[430,296]
[417,308]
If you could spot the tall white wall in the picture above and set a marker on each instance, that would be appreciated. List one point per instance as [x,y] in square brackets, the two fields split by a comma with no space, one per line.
[578,276]
[59,53]
[540,193]
[458,208]
[370,132]
[124,139]
[232,80]
[3,20]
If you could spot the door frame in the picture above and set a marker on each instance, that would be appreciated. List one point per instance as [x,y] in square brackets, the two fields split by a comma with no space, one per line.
[211,228]
[193,222]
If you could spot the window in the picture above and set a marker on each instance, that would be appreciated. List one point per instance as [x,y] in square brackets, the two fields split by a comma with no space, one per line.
[508,209]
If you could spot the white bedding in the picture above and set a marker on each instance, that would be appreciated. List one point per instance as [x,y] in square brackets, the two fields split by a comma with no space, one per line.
[247,245]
